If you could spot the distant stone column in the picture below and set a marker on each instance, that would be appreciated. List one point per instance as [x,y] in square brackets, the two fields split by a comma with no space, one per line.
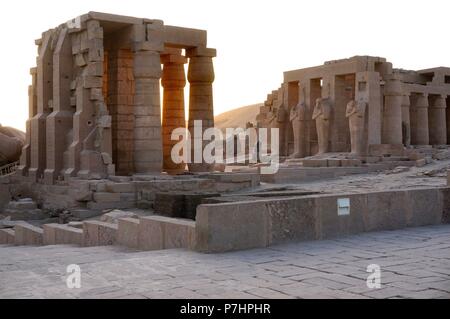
[437,120]
[392,115]
[419,125]
[147,126]
[173,81]
[406,120]
[201,77]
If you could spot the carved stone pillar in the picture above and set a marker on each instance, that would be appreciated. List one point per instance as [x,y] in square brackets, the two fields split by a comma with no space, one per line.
[437,120]
[201,77]
[147,153]
[173,81]
[392,115]
[419,124]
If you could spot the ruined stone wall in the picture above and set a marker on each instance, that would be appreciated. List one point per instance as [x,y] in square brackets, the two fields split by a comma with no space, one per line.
[120,105]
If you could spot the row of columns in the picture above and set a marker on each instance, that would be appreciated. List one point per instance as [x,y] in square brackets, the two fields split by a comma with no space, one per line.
[152,141]
[427,118]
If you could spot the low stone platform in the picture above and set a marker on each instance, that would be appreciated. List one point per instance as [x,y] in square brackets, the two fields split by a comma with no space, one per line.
[98,233]
[128,232]
[159,232]
[26,234]
[57,234]
[251,224]
[7,236]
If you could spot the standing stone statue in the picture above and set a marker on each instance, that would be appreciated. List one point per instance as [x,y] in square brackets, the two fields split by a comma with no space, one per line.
[321,115]
[297,118]
[356,114]
[281,120]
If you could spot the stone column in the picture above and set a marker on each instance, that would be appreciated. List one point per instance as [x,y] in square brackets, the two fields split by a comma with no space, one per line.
[201,77]
[406,121]
[392,115]
[419,125]
[173,81]
[437,120]
[147,126]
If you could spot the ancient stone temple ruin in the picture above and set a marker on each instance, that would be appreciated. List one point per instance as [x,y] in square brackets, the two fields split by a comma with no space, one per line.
[361,106]
[94,102]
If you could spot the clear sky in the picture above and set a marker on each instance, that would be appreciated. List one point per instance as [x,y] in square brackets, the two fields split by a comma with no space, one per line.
[256,40]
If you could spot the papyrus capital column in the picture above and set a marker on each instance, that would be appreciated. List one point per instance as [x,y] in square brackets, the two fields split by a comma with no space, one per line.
[437,120]
[201,77]
[173,81]
[392,115]
[419,125]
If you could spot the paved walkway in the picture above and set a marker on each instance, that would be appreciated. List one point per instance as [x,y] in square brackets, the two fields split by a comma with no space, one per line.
[415,263]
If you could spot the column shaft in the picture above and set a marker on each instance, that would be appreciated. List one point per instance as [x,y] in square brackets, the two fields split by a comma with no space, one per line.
[173,80]
[419,125]
[147,125]
[437,121]
[201,77]
[392,115]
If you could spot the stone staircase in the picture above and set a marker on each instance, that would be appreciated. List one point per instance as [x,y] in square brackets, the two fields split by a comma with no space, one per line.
[142,233]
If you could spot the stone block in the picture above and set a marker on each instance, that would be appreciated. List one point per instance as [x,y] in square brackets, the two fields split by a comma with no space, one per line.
[110,205]
[151,236]
[315,163]
[192,201]
[225,227]
[386,149]
[82,214]
[114,216]
[331,224]
[119,187]
[59,234]
[426,207]
[26,234]
[160,232]
[22,204]
[7,236]
[386,211]
[128,232]
[179,233]
[98,233]
[169,204]
[106,197]
[351,163]
[292,220]
[334,162]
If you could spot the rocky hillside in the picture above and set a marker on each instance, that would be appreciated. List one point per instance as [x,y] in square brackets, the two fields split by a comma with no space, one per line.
[237,117]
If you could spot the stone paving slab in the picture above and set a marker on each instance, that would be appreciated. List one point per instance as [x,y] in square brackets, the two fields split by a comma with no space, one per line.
[414,263]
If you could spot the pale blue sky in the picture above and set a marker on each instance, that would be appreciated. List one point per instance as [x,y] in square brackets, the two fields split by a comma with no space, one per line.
[256,40]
